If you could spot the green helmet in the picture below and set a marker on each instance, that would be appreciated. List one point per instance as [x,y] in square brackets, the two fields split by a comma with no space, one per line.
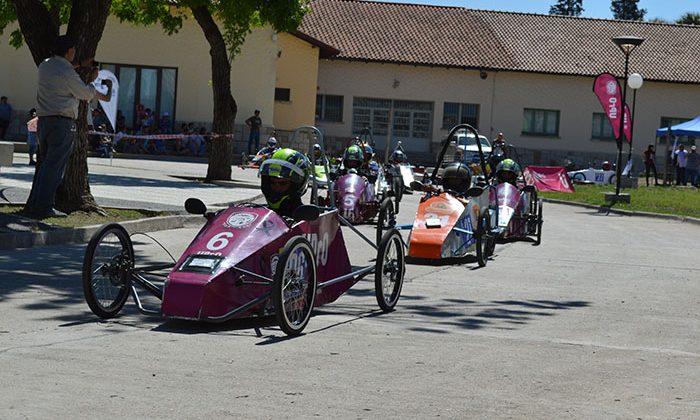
[353,157]
[286,164]
[507,171]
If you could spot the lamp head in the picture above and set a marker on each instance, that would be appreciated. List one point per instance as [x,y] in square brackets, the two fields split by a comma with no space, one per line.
[627,43]
[635,81]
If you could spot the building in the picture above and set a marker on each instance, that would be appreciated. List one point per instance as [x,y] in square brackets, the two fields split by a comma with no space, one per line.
[411,72]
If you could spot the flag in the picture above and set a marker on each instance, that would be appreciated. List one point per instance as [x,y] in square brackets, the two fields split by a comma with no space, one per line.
[109,107]
[607,89]
[627,126]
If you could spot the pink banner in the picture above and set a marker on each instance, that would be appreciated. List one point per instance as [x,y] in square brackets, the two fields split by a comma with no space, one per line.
[548,178]
[607,89]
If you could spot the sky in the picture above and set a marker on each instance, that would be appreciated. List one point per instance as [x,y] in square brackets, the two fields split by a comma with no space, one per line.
[669,10]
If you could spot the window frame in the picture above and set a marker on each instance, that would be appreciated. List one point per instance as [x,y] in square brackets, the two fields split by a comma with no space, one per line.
[547,112]
[322,108]
[606,121]
[461,116]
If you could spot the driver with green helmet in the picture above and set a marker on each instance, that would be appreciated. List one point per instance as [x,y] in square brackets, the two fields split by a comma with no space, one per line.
[284,178]
[507,170]
[353,158]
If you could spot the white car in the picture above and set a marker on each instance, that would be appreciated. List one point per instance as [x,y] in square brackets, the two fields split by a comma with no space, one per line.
[467,144]
[591,175]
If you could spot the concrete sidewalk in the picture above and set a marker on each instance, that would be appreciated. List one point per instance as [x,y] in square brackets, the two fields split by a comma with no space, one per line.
[159,185]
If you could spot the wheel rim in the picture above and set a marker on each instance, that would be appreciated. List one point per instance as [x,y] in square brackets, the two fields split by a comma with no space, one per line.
[296,288]
[391,271]
[110,270]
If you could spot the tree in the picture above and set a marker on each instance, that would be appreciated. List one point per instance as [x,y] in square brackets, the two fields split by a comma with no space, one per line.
[689,18]
[40,22]
[567,8]
[627,10]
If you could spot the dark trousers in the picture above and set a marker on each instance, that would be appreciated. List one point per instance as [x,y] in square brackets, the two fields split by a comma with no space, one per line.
[680,175]
[651,167]
[55,146]
[3,128]
[254,138]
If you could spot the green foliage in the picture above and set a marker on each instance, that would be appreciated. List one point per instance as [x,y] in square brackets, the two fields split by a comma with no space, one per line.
[567,8]
[666,200]
[7,14]
[689,18]
[627,10]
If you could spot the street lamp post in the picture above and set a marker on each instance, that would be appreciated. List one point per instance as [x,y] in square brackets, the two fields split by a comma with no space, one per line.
[626,44]
[634,81]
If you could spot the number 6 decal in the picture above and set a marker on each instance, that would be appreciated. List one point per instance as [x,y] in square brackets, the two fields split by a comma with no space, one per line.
[219,241]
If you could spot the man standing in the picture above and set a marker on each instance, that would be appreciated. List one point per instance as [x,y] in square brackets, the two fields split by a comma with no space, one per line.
[692,167]
[58,94]
[254,122]
[5,116]
[681,162]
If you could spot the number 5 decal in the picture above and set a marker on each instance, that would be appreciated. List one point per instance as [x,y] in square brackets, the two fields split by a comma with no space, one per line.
[219,241]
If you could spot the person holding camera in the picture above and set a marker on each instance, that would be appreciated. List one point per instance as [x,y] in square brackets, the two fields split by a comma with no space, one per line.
[59,91]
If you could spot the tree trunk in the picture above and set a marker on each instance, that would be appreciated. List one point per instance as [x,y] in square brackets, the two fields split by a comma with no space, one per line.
[225,108]
[87,23]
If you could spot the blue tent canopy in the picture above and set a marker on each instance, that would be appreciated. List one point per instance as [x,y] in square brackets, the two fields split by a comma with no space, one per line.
[688,128]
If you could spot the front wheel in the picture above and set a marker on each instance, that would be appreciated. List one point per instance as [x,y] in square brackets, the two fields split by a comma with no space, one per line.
[484,240]
[579,177]
[389,271]
[538,239]
[107,265]
[386,219]
[397,187]
[294,286]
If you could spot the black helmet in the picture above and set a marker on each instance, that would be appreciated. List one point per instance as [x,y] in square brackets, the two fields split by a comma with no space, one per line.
[398,156]
[457,177]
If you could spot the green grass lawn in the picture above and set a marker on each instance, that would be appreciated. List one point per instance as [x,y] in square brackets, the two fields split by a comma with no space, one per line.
[78,218]
[667,200]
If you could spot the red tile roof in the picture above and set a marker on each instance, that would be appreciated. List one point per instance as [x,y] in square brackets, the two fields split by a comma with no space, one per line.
[466,38]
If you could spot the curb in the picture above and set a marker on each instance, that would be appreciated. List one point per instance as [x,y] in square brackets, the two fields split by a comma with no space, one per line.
[84,233]
[57,236]
[601,209]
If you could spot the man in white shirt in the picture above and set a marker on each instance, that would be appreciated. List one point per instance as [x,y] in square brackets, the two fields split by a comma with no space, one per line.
[681,163]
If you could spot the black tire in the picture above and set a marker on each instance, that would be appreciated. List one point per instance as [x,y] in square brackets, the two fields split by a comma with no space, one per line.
[386,219]
[397,187]
[294,286]
[579,177]
[613,180]
[483,239]
[491,241]
[389,271]
[107,265]
[538,239]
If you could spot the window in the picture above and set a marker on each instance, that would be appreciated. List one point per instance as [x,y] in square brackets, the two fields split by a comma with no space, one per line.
[329,108]
[602,130]
[153,87]
[541,122]
[454,113]
[282,94]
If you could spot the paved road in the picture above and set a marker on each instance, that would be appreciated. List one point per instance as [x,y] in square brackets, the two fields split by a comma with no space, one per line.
[600,321]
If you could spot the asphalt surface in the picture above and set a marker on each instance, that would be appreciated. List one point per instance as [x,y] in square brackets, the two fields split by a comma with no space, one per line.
[600,321]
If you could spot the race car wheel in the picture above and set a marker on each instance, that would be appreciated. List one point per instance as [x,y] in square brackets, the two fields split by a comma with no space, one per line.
[107,265]
[538,239]
[294,286]
[397,187]
[386,220]
[579,177]
[389,271]
[483,240]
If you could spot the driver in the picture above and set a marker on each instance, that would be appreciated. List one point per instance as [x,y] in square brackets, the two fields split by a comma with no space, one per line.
[317,157]
[457,177]
[397,157]
[507,171]
[370,168]
[352,159]
[284,178]
[270,147]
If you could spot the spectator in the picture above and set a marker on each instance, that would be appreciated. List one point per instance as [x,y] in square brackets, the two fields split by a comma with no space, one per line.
[196,143]
[649,159]
[147,122]
[254,123]
[31,135]
[156,145]
[140,116]
[692,167]
[59,91]
[166,124]
[5,116]
[104,147]
[681,159]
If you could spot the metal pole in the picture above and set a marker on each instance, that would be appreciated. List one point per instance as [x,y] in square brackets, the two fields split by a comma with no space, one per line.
[618,169]
[634,105]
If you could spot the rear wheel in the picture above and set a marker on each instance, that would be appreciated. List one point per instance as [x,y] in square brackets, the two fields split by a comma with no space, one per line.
[389,271]
[538,239]
[107,265]
[483,240]
[386,219]
[397,186]
[294,286]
